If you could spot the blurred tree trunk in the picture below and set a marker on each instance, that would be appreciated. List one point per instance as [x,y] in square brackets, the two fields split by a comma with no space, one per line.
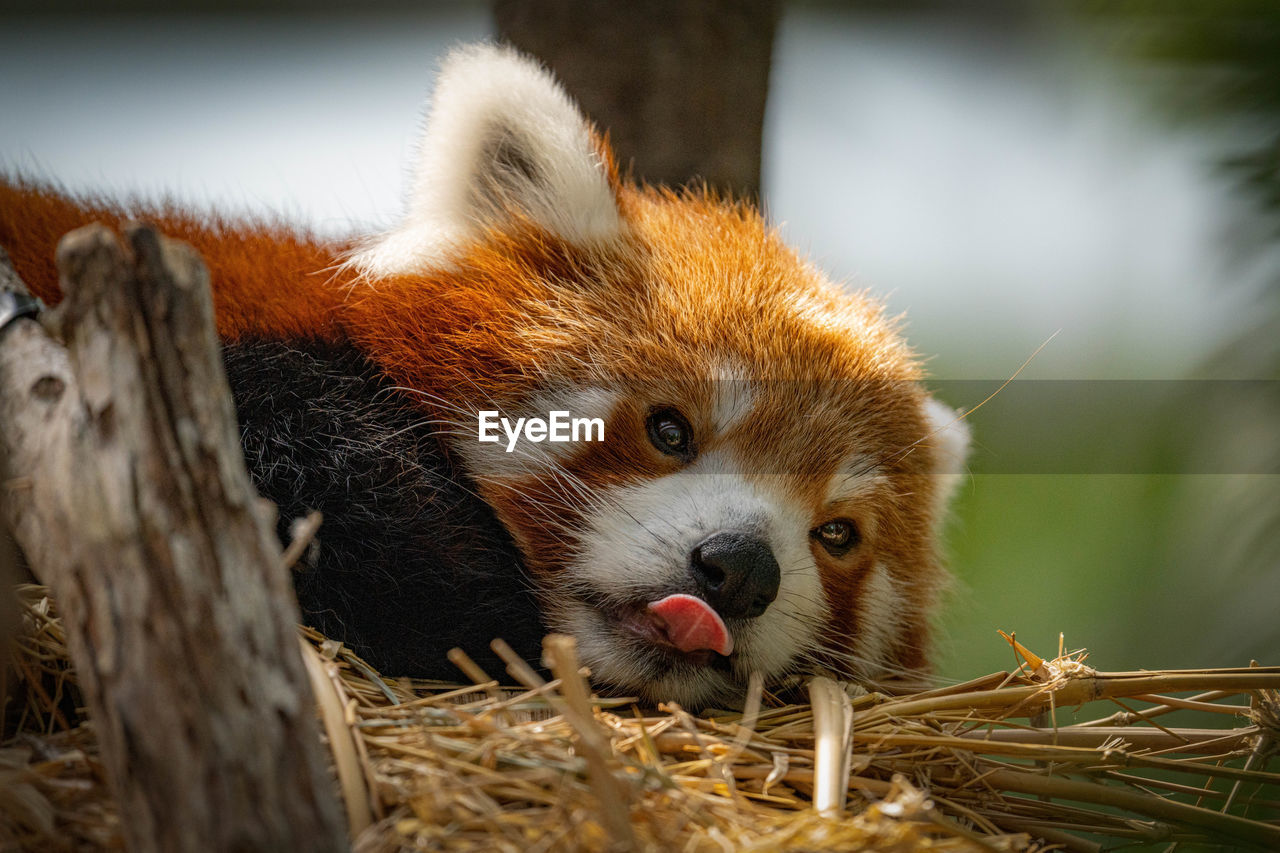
[679,86]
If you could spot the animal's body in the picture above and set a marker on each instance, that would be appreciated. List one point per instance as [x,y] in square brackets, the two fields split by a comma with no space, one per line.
[772,476]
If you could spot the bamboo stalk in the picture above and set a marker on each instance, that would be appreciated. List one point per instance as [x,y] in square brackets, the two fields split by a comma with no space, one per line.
[1191,740]
[833,742]
[355,795]
[1077,690]
[1222,825]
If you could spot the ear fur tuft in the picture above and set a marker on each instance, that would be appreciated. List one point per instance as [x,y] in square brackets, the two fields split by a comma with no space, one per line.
[502,142]
[949,442]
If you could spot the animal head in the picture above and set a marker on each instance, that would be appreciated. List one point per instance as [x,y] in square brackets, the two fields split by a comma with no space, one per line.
[768,490]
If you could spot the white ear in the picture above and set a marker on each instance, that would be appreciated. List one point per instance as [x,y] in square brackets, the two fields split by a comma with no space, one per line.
[949,442]
[502,140]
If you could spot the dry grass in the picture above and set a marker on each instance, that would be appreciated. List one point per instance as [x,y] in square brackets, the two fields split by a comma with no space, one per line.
[981,765]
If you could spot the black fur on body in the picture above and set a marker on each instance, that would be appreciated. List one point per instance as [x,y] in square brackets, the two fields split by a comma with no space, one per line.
[410,561]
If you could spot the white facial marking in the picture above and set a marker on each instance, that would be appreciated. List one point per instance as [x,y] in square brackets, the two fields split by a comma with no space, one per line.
[857,478]
[492,460]
[631,667]
[733,398]
[878,622]
[636,547]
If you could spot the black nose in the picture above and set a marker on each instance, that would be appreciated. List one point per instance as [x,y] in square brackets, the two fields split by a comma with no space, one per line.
[737,574]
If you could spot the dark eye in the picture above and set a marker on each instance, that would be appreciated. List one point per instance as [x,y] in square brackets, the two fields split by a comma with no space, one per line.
[670,433]
[837,536]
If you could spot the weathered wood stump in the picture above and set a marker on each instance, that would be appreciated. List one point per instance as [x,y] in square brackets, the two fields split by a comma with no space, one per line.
[122,478]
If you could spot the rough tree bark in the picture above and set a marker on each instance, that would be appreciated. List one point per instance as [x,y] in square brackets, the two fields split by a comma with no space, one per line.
[680,86]
[124,484]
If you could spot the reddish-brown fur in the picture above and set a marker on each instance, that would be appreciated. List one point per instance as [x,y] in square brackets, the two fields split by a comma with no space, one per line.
[694,285]
[270,280]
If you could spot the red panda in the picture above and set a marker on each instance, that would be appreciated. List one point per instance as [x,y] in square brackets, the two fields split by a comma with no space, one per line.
[772,474]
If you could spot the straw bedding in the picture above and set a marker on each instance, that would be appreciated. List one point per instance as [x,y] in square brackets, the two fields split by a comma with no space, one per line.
[1005,762]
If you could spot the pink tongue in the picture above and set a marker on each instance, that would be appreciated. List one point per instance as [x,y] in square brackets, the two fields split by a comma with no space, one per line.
[692,624]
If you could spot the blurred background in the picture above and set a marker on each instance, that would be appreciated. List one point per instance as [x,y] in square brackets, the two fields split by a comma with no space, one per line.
[1103,177]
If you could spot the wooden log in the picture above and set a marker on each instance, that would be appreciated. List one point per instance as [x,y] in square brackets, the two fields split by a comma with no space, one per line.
[124,484]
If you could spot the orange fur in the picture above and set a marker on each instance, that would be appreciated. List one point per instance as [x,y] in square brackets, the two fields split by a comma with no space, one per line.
[269,280]
[698,284]
[694,287]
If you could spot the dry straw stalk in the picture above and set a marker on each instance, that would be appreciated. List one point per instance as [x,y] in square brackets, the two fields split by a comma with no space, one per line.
[547,766]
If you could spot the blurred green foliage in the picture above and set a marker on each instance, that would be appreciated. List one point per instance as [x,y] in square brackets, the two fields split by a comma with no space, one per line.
[1157,570]
[1220,60]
